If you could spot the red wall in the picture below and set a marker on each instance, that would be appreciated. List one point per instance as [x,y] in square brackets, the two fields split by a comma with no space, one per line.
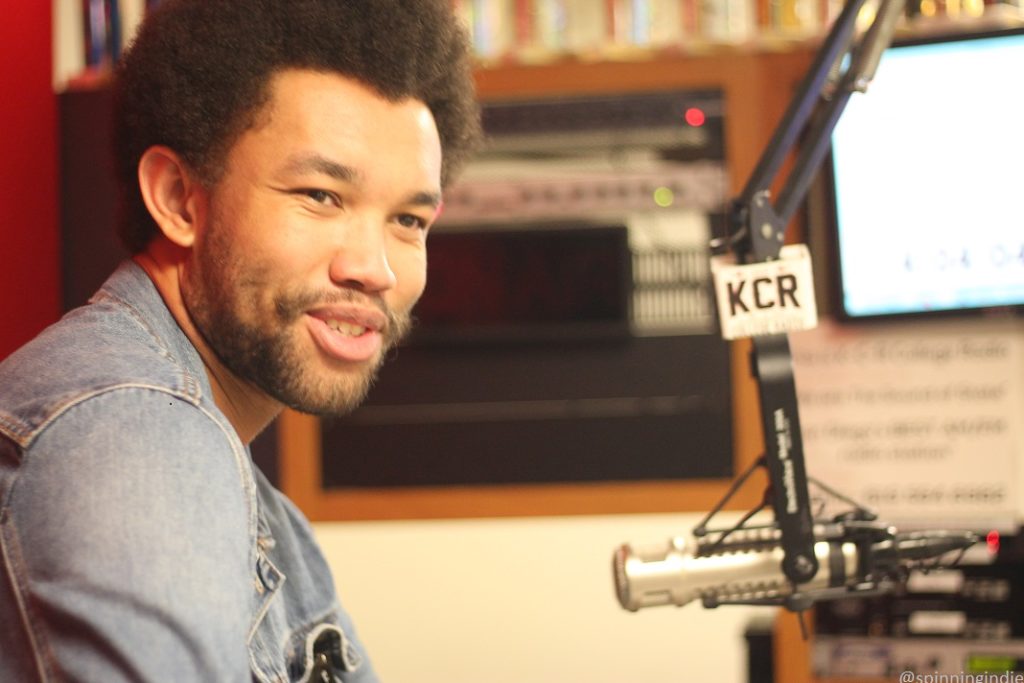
[29,249]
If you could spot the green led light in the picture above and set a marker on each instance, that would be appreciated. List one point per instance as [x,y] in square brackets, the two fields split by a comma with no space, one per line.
[988,663]
[664,197]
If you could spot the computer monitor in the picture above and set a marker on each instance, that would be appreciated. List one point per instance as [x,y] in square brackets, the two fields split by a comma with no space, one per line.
[927,173]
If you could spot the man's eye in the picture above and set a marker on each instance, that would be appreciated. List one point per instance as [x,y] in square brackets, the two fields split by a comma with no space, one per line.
[408,220]
[321,196]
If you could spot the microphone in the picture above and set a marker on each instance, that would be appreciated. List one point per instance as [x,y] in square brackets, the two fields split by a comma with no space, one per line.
[745,571]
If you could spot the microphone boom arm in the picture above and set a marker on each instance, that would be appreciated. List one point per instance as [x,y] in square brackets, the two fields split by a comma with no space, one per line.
[758,227]
[778,563]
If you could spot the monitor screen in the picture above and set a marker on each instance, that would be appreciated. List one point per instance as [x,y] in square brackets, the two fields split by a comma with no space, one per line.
[928,180]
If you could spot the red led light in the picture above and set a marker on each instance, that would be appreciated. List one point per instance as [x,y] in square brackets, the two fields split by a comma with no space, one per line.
[992,540]
[695,117]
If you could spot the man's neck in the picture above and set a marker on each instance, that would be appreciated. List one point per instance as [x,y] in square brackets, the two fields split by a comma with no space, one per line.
[247,407]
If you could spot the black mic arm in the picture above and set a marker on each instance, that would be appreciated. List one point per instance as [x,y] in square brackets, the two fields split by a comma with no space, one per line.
[796,560]
[843,65]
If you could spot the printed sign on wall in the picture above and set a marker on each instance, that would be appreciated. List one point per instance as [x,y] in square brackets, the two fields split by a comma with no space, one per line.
[922,422]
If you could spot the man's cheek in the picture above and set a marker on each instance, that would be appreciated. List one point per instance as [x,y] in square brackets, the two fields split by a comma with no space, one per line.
[412,279]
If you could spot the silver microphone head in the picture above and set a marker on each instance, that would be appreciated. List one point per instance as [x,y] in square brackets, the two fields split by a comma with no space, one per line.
[670,573]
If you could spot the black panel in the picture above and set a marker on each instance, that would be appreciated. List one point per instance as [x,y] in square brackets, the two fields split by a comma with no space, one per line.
[636,409]
[541,282]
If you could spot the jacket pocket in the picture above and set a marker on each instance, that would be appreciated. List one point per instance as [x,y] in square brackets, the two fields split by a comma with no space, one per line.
[327,654]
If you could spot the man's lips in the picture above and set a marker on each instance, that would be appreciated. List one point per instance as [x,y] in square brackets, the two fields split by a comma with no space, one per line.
[369,317]
[348,333]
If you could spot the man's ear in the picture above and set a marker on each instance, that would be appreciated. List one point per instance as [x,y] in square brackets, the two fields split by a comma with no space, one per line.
[172,194]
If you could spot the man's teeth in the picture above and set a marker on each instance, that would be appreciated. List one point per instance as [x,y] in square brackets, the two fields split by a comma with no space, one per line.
[347,329]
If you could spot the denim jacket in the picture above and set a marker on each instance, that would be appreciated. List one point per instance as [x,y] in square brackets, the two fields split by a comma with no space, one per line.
[137,540]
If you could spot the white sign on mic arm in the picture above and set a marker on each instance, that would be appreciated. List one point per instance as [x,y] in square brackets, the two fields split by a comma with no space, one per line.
[769,297]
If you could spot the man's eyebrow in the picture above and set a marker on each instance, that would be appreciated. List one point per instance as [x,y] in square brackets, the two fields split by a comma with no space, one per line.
[431,199]
[317,163]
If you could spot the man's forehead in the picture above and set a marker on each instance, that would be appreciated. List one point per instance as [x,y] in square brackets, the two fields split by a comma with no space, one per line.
[298,80]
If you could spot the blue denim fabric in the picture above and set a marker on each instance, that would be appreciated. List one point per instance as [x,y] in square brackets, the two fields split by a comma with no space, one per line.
[137,541]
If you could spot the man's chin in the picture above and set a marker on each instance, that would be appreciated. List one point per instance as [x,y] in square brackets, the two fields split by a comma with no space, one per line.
[303,376]
[327,398]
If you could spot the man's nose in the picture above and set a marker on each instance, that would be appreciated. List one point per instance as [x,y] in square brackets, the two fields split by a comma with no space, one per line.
[360,258]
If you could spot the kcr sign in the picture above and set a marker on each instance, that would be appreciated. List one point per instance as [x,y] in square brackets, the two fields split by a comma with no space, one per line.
[771,297]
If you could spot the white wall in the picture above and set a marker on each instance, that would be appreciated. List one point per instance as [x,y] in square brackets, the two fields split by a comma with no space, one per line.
[522,601]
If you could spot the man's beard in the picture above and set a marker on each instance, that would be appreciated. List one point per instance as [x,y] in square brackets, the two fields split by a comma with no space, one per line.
[268,355]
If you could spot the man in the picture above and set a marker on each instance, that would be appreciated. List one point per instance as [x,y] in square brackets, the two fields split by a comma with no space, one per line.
[281,164]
